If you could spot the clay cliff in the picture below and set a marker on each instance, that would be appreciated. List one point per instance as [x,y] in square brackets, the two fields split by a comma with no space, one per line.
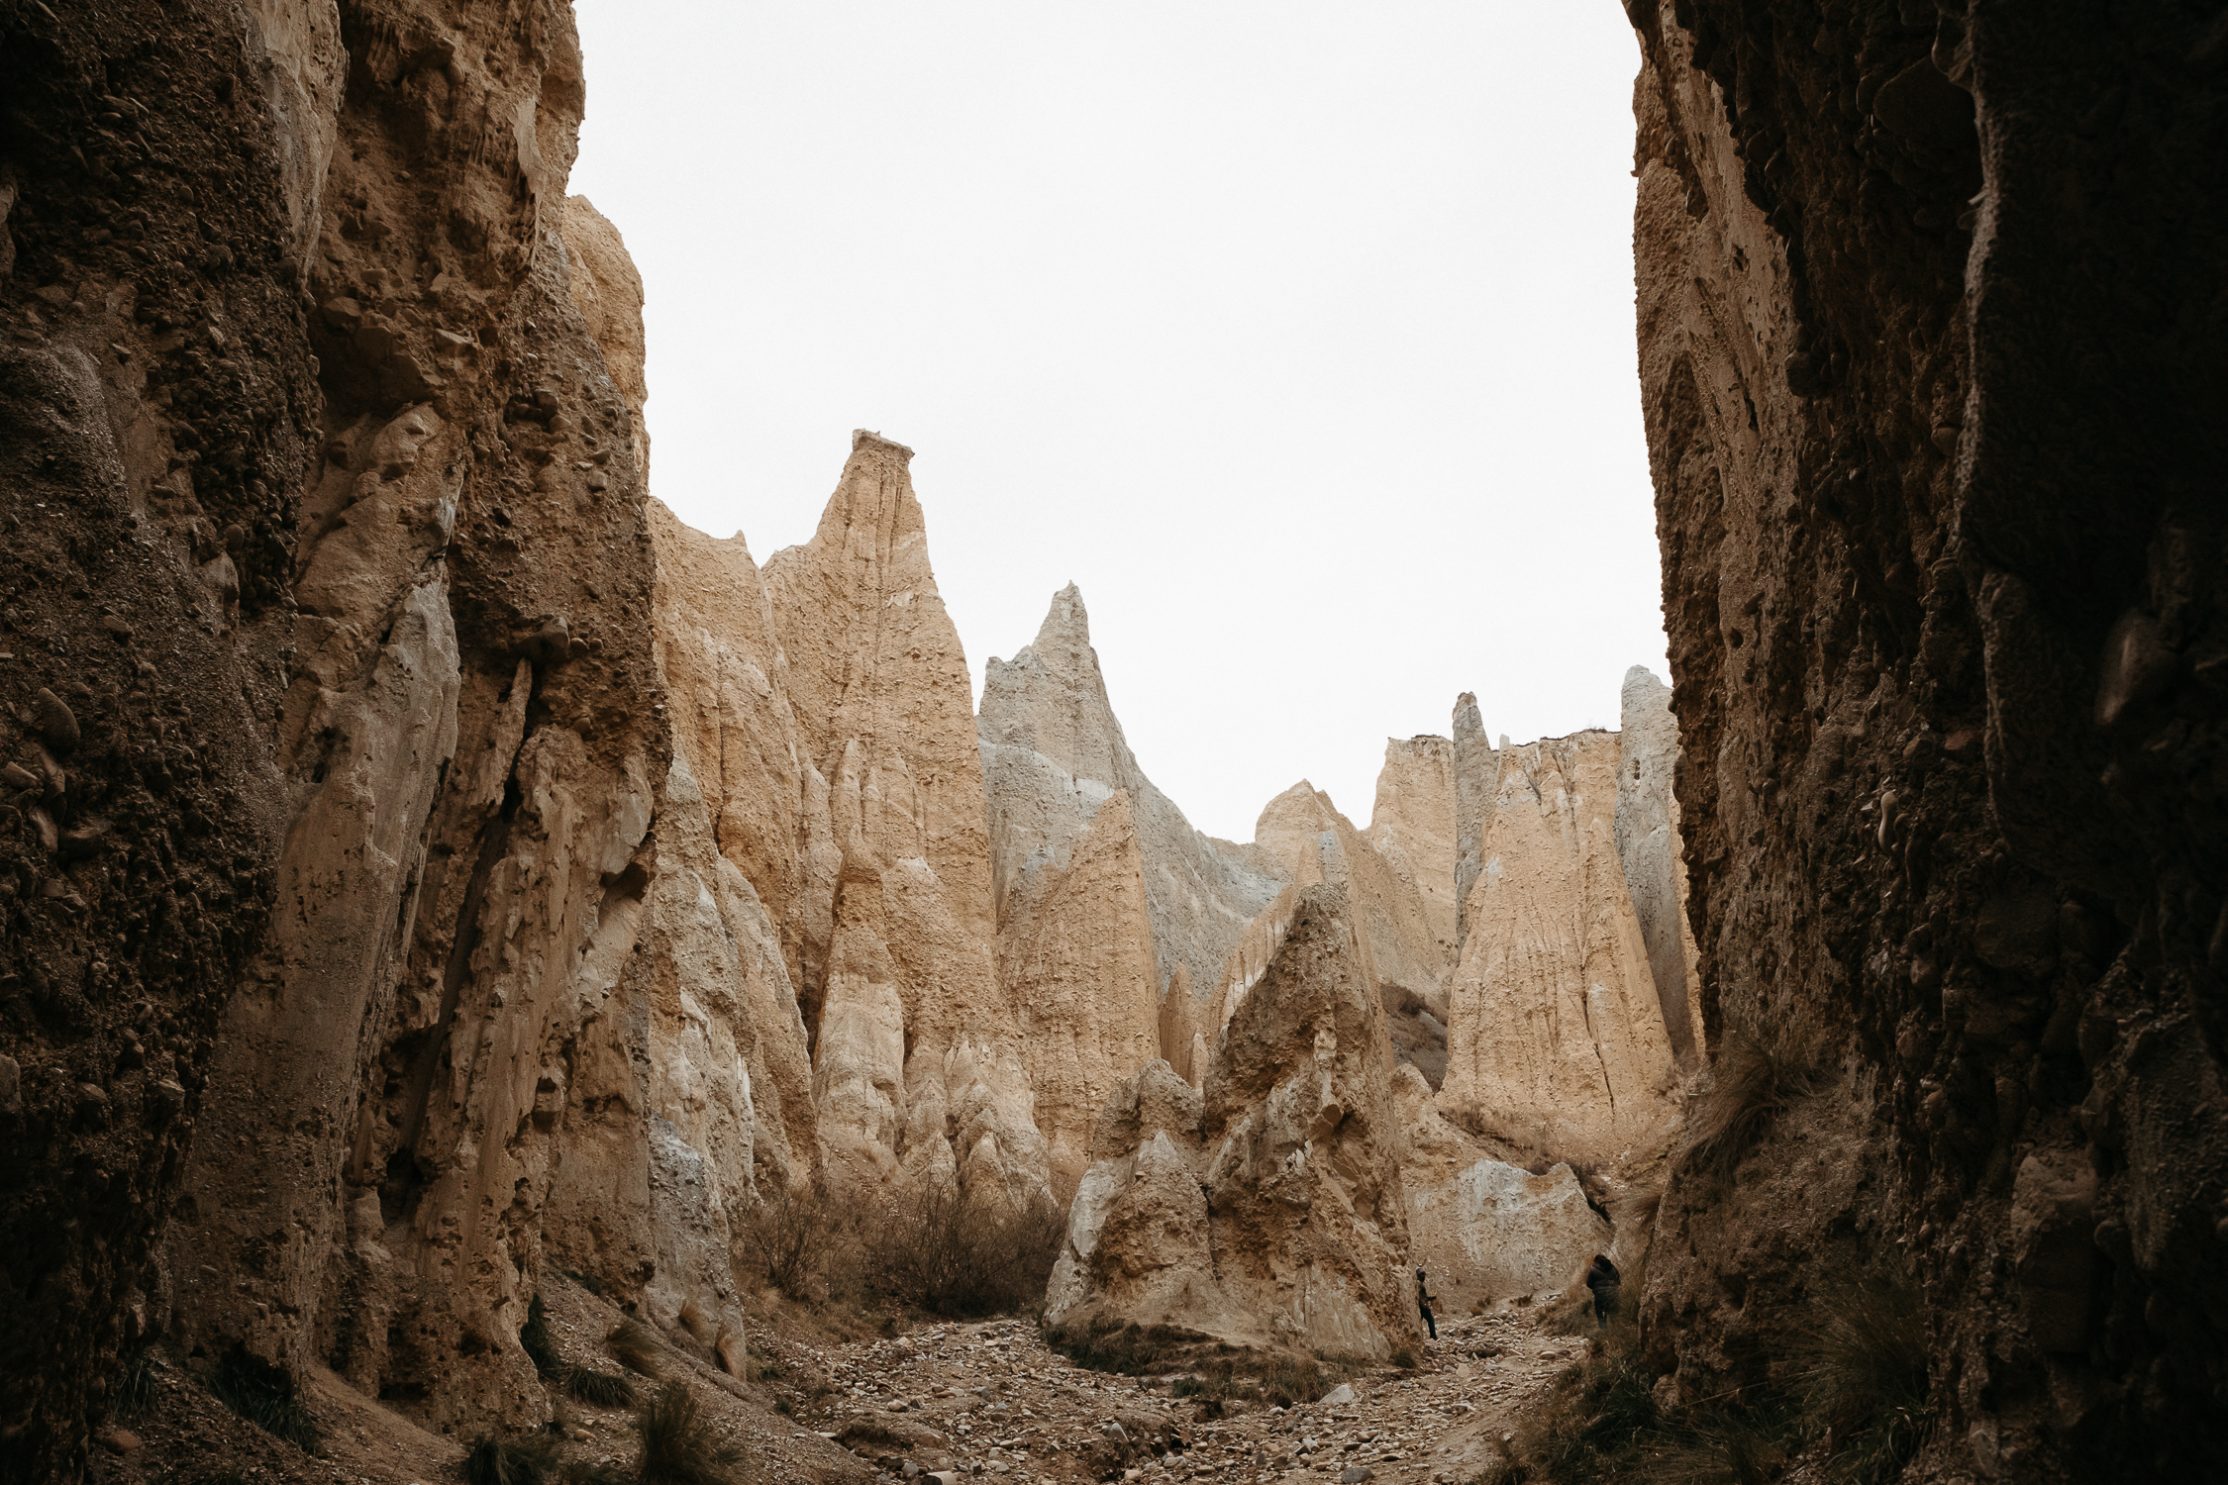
[1555,1035]
[1927,316]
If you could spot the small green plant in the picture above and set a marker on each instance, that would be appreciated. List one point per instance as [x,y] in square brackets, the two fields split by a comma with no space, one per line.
[529,1459]
[637,1348]
[1749,1084]
[679,1446]
[265,1395]
[534,1338]
[596,1388]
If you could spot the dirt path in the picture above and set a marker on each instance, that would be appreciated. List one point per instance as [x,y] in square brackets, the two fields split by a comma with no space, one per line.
[992,1400]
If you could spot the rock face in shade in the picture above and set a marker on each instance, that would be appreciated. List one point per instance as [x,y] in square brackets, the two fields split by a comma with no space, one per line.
[1648,844]
[1476,769]
[918,1062]
[1952,741]
[1555,1036]
[1052,752]
[1483,1228]
[1412,826]
[1269,1213]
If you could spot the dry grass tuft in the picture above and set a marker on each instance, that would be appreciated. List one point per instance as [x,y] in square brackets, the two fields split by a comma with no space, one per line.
[637,1348]
[530,1459]
[596,1389]
[1204,1369]
[1749,1084]
[1861,1375]
[679,1446]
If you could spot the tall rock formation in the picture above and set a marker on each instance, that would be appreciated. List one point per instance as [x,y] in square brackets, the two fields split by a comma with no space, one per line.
[1476,769]
[1648,845]
[1412,826]
[1928,313]
[918,1059]
[1555,1037]
[1052,754]
[1268,1212]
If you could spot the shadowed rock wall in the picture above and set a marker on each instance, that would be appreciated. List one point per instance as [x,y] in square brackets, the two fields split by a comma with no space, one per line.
[1930,318]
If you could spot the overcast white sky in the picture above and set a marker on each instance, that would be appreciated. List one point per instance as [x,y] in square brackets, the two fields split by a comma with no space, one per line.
[1298,334]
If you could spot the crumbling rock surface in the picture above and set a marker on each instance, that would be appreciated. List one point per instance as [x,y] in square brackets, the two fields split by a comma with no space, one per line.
[1412,826]
[1929,325]
[1266,1212]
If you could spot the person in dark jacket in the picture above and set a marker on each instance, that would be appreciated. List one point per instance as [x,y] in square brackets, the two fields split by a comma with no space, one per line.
[1603,1280]
[1423,1303]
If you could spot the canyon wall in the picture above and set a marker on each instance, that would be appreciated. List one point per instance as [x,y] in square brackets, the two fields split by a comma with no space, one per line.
[426,865]
[1929,327]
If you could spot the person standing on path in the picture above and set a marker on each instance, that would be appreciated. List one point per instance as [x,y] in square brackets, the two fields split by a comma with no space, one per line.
[1423,1303]
[1604,1281]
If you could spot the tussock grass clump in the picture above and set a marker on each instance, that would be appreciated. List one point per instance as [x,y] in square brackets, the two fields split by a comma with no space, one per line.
[535,1340]
[1595,1421]
[265,1395]
[1749,1084]
[135,1384]
[636,1347]
[595,1388]
[529,1459]
[964,1255]
[679,1446]
[1861,1376]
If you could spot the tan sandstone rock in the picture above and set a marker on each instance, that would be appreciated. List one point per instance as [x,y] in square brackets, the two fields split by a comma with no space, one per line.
[1273,1215]
[1655,867]
[1412,826]
[1481,1226]
[1555,1035]
[1052,752]
[918,1062]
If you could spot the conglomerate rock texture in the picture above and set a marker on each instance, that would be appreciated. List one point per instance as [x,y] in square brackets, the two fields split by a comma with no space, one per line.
[1930,326]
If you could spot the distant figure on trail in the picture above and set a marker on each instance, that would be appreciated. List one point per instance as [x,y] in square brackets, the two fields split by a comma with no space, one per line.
[1603,1280]
[1423,1303]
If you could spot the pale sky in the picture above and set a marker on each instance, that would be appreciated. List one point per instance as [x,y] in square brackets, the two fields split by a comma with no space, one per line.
[1298,334]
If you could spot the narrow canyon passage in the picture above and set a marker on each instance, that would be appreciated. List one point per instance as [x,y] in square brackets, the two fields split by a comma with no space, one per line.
[498,984]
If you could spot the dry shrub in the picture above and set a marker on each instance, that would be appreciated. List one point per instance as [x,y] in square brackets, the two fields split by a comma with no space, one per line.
[962,1254]
[1861,1375]
[787,1236]
[679,1446]
[530,1459]
[637,1348]
[1749,1084]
